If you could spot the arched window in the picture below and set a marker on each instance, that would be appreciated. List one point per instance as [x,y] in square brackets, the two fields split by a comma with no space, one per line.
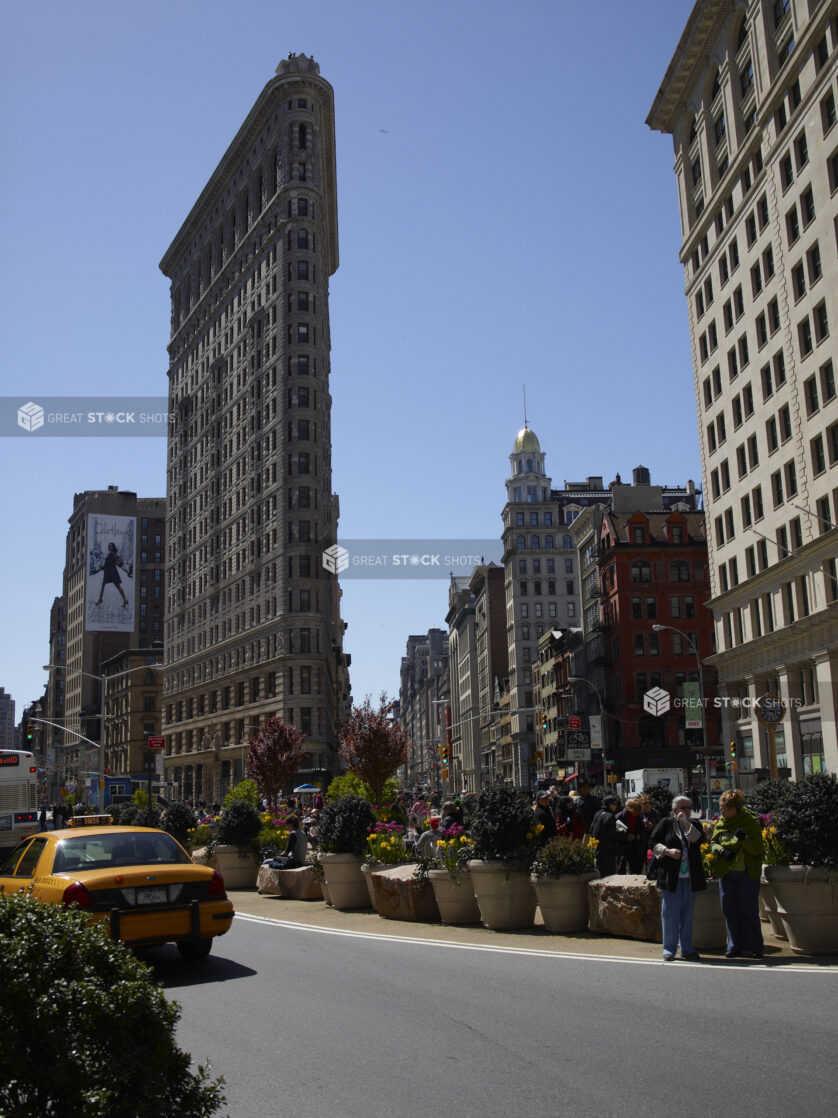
[522,543]
[548,542]
[534,543]
[567,542]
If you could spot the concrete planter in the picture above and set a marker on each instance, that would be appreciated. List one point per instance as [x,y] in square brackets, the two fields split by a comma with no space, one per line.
[239,871]
[505,895]
[454,897]
[347,887]
[564,901]
[368,869]
[768,907]
[807,904]
[398,896]
[709,929]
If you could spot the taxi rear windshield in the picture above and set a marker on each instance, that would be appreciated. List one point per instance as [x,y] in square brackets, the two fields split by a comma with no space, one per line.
[95,852]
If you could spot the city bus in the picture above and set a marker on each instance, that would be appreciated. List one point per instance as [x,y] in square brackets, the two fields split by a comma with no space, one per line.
[18,796]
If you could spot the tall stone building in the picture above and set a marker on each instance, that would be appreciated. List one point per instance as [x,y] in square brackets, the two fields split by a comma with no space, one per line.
[749,99]
[253,625]
[424,687]
[7,720]
[83,634]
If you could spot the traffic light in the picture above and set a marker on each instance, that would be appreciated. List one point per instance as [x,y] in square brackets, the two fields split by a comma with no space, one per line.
[733,751]
[29,732]
[544,722]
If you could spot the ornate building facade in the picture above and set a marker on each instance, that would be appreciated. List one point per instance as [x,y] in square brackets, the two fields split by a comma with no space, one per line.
[253,623]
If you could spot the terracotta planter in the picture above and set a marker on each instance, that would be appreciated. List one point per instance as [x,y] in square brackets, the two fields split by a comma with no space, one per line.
[807,904]
[768,905]
[454,897]
[346,884]
[709,929]
[564,901]
[238,870]
[504,893]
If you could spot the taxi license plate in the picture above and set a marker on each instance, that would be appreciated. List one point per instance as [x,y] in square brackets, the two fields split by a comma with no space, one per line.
[152,895]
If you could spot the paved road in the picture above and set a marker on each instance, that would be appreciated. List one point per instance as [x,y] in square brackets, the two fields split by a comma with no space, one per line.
[327,1021]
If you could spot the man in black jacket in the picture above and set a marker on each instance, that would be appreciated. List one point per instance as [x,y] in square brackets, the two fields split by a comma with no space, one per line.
[610,837]
[544,816]
[586,804]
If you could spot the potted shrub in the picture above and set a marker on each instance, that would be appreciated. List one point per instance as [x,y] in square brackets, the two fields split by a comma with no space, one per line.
[560,874]
[232,847]
[179,821]
[343,830]
[806,890]
[505,838]
[450,879]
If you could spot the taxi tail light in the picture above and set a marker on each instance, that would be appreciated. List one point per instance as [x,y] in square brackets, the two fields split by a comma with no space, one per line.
[78,894]
[216,886]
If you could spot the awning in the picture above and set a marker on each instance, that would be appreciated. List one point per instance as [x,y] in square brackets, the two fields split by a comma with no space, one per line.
[571,776]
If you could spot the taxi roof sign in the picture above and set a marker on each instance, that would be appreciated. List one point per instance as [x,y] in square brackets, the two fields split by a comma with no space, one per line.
[90,821]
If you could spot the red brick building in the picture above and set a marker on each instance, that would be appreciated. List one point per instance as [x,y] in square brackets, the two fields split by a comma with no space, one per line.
[653,571]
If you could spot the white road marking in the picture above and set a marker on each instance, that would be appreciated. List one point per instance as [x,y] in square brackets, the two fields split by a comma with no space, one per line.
[680,964]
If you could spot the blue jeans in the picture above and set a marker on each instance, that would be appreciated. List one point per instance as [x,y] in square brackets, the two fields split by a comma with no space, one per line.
[677,918]
[740,905]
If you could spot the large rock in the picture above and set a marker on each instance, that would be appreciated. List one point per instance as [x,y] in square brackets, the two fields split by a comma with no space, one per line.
[625,906]
[299,884]
[398,897]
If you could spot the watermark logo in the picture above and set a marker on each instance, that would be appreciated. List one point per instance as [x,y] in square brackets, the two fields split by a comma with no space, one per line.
[335,559]
[656,701]
[30,417]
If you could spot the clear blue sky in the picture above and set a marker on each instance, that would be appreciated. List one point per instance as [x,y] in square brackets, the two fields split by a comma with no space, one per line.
[505,217]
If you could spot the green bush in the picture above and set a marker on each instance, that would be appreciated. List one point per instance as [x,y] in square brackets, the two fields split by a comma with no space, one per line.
[86,1031]
[562,856]
[344,826]
[503,827]
[238,825]
[767,796]
[807,820]
[179,820]
[245,790]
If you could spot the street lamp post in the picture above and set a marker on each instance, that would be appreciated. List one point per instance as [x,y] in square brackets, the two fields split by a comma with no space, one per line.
[694,648]
[593,687]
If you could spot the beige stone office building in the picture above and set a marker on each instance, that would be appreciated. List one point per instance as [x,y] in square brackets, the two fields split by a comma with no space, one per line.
[253,625]
[750,101]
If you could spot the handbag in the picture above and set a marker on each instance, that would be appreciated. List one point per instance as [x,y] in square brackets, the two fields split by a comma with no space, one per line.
[652,867]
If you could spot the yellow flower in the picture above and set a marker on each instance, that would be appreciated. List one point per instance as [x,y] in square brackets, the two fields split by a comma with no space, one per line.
[529,834]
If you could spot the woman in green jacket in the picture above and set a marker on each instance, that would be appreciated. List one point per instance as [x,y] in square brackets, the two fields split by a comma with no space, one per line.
[739,849]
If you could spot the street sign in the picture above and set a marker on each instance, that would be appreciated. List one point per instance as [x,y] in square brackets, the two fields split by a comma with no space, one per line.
[574,722]
[579,745]
[595,722]
[156,743]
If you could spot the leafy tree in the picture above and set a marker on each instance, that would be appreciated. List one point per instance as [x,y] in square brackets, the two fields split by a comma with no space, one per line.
[274,758]
[349,784]
[246,790]
[372,745]
[103,1031]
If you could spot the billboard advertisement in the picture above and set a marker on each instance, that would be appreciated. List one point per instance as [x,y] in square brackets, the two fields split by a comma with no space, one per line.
[110,599]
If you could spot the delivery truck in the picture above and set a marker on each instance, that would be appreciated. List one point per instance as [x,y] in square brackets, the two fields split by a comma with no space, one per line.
[674,780]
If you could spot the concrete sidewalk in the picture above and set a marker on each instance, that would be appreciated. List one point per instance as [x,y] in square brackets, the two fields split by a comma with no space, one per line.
[320,915]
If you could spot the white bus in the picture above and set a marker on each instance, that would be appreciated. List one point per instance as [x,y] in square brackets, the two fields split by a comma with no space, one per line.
[18,796]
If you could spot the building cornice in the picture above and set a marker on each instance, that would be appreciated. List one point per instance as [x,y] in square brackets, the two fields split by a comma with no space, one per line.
[799,562]
[688,63]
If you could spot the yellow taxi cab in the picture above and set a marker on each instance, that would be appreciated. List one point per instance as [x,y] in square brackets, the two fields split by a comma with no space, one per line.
[138,881]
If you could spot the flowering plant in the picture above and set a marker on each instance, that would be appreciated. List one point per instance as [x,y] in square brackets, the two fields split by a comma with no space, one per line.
[776,851]
[386,844]
[453,849]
